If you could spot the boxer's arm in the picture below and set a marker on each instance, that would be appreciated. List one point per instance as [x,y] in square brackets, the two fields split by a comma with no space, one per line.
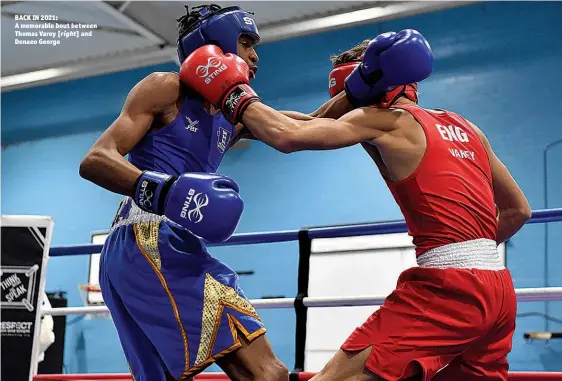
[105,164]
[289,135]
[245,133]
[242,132]
[333,108]
[297,115]
[514,209]
[325,109]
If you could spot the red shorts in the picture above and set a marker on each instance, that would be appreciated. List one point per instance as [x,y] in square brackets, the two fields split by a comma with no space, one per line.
[457,322]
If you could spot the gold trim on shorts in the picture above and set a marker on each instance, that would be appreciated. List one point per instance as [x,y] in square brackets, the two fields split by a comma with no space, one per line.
[217,296]
[133,378]
[146,235]
[233,323]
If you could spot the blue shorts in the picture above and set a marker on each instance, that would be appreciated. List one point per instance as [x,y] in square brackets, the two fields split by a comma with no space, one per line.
[175,307]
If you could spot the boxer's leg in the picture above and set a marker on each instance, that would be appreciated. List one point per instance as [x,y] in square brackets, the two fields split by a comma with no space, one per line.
[487,358]
[188,303]
[254,361]
[145,312]
[347,366]
[431,318]
[143,359]
[486,361]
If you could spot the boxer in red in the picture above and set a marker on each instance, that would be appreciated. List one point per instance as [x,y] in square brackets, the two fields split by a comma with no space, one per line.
[452,317]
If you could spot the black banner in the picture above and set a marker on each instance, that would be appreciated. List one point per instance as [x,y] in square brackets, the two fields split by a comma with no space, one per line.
[20,286]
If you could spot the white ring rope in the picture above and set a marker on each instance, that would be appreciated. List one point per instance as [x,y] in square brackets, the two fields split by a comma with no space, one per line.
[545,294]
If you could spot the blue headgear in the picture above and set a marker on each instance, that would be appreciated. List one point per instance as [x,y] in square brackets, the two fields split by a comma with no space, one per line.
[217,26]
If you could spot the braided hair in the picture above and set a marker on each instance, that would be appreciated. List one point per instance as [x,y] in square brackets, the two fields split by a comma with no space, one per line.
[187,21]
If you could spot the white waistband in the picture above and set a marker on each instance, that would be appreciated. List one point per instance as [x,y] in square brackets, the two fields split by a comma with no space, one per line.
[479,254]
[134,216]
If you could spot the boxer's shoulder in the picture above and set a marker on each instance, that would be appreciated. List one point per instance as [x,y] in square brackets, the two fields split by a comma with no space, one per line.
[157,90]
[379,119]
[163,83]
[163,79]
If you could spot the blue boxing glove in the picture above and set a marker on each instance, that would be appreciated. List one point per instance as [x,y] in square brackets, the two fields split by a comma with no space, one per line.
[390,60]
[206,204]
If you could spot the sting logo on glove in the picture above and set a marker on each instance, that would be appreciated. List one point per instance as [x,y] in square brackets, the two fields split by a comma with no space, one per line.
[207,204]
[230,91]
[232,100]
[200,200]
[195,215]
[146,193]
[204,71]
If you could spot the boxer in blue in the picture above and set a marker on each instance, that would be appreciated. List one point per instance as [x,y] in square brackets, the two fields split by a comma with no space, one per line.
[176,308]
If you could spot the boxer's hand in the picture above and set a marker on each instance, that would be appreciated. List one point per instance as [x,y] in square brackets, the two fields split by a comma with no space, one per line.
[206,204]
[390,60]
[220,78]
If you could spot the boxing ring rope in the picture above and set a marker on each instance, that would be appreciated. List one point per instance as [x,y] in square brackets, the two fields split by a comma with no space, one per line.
[547,294]
[302,302]
[538,216]
[523,295]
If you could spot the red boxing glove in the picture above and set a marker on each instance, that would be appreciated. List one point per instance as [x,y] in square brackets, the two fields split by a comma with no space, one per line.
[220,78]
